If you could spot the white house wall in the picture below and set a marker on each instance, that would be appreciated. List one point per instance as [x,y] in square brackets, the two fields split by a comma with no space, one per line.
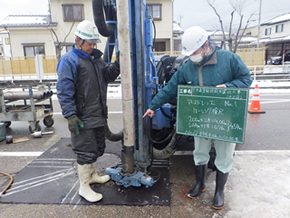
[286,31]
[63,28]
[31,35]
[22,35]
[164,27]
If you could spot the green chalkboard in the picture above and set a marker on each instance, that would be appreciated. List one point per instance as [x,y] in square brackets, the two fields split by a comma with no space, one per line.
[211,112]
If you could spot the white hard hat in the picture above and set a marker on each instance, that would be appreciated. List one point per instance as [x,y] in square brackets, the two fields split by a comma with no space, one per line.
[192,39]
[87,31]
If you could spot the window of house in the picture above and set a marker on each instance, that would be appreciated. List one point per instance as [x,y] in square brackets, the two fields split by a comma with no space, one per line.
[73,12]
[68,48]
[268,31]
[279,28]
[65,47]
[32,50]
[154,10]
[160,46]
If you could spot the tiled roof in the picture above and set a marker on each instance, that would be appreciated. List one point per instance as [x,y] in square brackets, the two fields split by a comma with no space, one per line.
[27,21]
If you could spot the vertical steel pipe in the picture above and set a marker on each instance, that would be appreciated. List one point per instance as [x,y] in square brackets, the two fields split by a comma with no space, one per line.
[126,83]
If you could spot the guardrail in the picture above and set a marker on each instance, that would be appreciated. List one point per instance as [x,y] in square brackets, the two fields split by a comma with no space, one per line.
[271,72]
[48,76]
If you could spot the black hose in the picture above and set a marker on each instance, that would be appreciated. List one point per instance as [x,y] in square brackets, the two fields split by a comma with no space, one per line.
[164,140]
[109,52]
[106,29]
[154,37]
[114,137]
[147,131]
[165,114]
[99,17]
[169,150]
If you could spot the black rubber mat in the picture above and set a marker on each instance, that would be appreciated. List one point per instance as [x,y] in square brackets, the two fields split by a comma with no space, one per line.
[52,179]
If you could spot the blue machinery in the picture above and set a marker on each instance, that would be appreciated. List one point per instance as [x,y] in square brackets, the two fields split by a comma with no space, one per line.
[139,83]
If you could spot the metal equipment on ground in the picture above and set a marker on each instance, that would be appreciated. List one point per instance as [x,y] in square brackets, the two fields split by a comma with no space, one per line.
[144,139]
[26,100]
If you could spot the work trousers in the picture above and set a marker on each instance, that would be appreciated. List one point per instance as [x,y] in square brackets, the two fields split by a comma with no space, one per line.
[224,153]
[88,145]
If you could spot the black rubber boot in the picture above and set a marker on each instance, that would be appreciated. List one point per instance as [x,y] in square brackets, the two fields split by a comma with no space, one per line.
[221,179]
[200,173]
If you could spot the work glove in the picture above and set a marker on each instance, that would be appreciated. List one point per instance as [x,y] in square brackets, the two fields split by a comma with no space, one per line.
[74,123]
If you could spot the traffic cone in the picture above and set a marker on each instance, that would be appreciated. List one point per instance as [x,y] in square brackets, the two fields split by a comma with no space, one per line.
[255,104]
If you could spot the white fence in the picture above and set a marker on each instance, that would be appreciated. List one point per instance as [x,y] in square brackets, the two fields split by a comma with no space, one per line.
[271,72]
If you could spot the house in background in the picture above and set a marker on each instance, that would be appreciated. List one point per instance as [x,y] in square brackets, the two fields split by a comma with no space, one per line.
[4,44]
[41,34]
[161,12]
[29,35]
[274,35]
[177,36]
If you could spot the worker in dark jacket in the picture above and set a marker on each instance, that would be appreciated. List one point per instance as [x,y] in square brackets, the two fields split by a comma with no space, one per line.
[81,89]
[207,66]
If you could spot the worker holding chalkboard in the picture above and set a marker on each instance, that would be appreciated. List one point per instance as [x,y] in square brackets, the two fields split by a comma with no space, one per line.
[207,65]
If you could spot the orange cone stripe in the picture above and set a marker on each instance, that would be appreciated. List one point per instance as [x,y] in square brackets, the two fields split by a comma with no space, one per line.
[255,105]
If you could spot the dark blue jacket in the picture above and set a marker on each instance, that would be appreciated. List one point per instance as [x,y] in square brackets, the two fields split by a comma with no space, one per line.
[82,86]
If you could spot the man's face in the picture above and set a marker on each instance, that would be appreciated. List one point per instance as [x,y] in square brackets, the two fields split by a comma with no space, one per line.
[198,51]
[88,47]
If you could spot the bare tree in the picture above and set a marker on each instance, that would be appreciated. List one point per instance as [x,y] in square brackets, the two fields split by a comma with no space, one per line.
[233,39]
[59,45]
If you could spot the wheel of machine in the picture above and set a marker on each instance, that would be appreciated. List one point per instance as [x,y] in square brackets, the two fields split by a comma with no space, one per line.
[37,128]
[48,121]
[7,123]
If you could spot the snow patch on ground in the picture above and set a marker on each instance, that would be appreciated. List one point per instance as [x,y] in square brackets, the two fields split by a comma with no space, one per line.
[259,184]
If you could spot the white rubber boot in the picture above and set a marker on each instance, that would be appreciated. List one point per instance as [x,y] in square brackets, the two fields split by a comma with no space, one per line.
[95,177]
[84,172]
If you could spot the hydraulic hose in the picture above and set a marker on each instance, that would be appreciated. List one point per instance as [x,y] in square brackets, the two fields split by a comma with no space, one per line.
[165,114]
[169,150]
[114,137]
[164,140]
[9,184]
[99,18]
[109,52]
[106,29]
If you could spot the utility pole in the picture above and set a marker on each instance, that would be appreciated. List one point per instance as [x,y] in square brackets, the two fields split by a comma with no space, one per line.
[172,36]
[258,41]
[180,18]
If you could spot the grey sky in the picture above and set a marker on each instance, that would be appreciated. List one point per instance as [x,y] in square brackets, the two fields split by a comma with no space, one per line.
[186,12]
[198,12]
[27,7]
